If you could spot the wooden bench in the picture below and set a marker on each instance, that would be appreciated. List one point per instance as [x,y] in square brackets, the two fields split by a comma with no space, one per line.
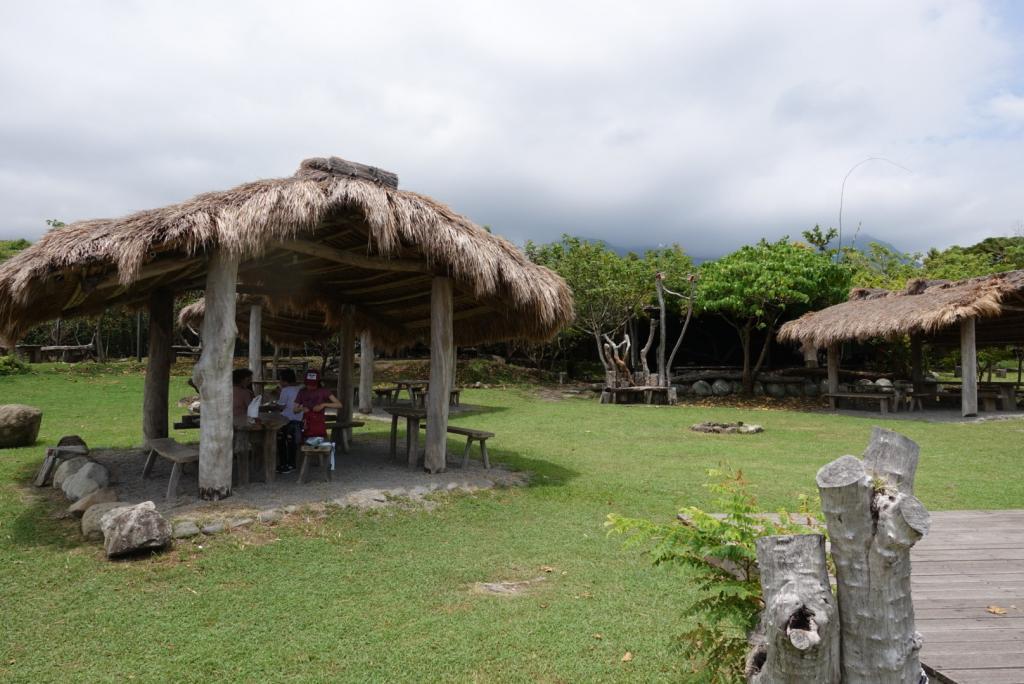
[470,434]
[321,453]
[885,399]
[990,399]
[178,454]
[419,397]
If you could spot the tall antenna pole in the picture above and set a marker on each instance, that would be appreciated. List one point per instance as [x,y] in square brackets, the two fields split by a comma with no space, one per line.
[842,194]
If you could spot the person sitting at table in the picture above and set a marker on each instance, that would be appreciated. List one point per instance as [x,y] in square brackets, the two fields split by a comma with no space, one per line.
[310,402]
[290,436]
[241,393]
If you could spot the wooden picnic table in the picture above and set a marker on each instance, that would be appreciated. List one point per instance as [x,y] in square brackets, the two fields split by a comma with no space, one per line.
[413,386]
[412,416]
[1006,391]
[267,426]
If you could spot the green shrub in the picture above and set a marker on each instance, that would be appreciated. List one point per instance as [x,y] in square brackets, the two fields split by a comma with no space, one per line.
[720,549]
[10,365]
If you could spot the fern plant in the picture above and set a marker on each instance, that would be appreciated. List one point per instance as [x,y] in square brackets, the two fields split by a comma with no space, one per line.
[720,549]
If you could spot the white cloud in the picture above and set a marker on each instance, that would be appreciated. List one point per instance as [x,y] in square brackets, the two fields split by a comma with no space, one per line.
[709,124]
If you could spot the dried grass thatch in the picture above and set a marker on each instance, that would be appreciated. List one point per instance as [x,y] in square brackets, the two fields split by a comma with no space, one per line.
[321,241]
[929,308]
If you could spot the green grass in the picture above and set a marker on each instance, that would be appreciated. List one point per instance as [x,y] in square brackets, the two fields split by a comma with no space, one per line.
[384,596]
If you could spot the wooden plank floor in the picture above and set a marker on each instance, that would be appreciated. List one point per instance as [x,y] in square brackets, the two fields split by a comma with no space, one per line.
[969,561]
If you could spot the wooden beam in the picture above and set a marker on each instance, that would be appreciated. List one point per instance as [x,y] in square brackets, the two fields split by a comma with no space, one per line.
[366,372]
[441,344]
[256,342]
[969,366]
[917,363]
[212,374]
[355,260]
[158,366]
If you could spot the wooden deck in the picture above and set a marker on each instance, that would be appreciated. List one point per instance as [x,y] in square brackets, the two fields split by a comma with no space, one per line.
[970,561]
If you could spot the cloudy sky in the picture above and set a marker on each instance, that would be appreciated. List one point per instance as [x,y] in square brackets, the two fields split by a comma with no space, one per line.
[707,124]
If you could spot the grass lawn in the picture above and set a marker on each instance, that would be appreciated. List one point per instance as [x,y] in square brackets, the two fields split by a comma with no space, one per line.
[384,596]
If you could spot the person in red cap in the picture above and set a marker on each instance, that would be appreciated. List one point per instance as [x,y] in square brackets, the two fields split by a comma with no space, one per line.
[310,402]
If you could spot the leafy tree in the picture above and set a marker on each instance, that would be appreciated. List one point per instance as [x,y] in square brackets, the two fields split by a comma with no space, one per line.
[8,248]
[608,289]
[821,239]
[753,287]
[881,267]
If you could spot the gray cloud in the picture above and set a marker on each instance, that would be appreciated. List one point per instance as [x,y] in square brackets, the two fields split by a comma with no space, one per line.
[704,124]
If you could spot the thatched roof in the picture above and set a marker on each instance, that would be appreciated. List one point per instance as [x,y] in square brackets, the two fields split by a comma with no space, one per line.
[321,240]
[933,309]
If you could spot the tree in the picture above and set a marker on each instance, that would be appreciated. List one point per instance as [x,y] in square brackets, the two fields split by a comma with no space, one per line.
[9,248]
[607,289]
[821,239]
[753,287]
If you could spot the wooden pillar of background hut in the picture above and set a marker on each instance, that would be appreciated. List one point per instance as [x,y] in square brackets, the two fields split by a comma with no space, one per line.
[917,364]
[833,368]
[366,372]
[256,342]
[455,367]
[347,351]
[212,374]
[969,362]
[441,345]
[158,367]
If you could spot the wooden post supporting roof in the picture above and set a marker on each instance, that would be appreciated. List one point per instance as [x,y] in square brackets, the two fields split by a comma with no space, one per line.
[833,368]
[366,372]
[348,349]
[256,342]
[441,345]
[212,374]
[969,363]
[917,364]
[158,366]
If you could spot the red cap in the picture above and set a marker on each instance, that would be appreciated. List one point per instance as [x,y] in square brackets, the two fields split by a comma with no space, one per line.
[312,378]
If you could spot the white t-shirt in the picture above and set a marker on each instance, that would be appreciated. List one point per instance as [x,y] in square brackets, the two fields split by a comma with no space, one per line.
[287,400]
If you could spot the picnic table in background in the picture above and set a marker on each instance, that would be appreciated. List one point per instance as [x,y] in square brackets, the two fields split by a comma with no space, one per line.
[412,416]
[413,386]
[246,440]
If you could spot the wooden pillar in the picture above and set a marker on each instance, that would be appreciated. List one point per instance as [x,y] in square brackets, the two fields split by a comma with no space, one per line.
[455,367]
[348,350]
[917,363]
[212,375]
[969,363]
[833,367]
[810,353]
[441,345]
[158,368]
[256,342]
[366,372]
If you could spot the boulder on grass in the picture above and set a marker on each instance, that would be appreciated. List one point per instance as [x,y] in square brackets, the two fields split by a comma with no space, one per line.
[133,530]
[810,389]
[776,390]
[67,469]
[721,387]
[105,495]
[701,388]
[19,425]
[93,516]
[794,390]
[89,478]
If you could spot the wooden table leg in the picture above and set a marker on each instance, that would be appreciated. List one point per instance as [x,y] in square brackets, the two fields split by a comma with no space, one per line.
[394,436]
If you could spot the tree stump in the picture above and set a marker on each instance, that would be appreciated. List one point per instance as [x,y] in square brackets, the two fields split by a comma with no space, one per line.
[873,521]
[798,639]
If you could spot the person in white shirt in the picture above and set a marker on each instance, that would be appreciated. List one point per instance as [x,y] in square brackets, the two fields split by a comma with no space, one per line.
[289,436]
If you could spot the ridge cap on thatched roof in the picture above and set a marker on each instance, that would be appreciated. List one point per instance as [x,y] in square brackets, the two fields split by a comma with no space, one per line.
[922,307]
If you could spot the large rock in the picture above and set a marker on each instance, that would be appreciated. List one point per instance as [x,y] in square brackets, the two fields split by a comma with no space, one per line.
[793,389]
[701,388]
[19,425]
[810,389]
[89,478]
[884,385]
[93,516]
[775,389]
[721,387]
[106,495]
[67,469]
[135,529]
[758,388]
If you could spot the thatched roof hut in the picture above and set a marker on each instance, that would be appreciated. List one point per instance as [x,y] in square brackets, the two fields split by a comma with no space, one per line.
[932,309]
[336,246]
[986,311]
[281,324]
[321,238]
